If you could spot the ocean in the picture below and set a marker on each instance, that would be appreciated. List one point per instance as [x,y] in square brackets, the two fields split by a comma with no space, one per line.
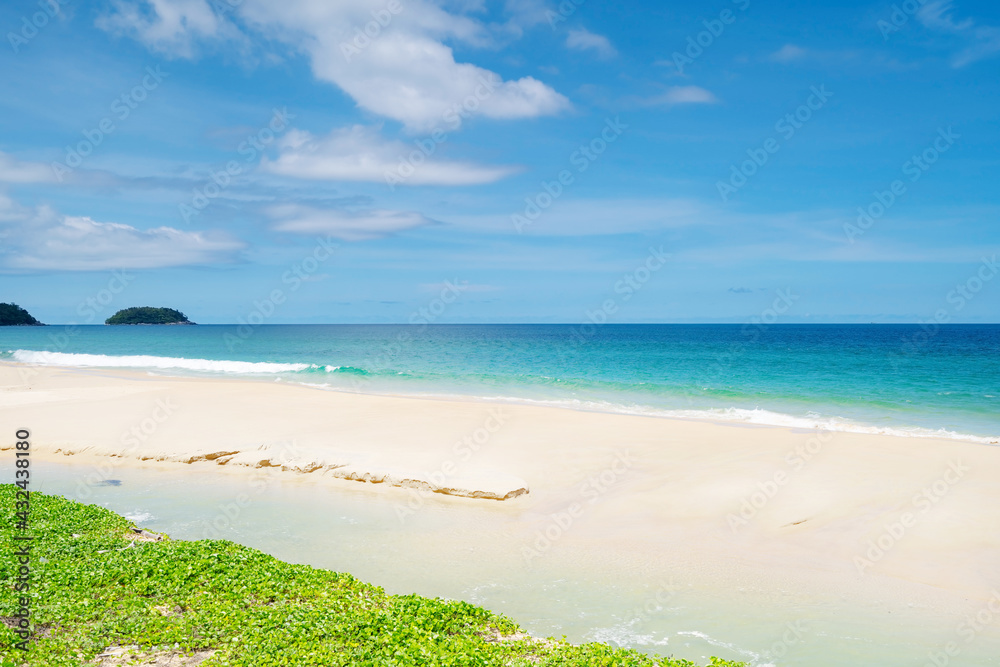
[912,380]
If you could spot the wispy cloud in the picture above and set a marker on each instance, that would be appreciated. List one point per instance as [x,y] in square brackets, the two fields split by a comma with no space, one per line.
[173,28]
[464,286]
[593,216]
[348,225]
[787,54]
[42,239]
[360,153]
[581,39]
[13,170]
[679,95]
[525,14]
[982,41]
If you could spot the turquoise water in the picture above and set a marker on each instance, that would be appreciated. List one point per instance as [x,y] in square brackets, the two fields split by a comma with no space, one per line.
[904,379]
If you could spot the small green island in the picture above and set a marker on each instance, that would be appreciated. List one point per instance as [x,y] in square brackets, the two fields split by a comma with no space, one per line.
[12,315]
[148,315]
[103,592]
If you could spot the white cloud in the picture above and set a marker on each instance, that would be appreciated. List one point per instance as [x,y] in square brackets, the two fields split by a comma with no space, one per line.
[587,216]
[584,40]
[16,171]
[788,53]
[347,225]
[682,95]
[401,70]
[521,15]
[359,153]
[43,240]
[937,15]
[983,40]
[169,27]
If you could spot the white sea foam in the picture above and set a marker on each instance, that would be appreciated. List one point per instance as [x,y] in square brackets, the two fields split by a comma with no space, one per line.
[811,421]
[817,422]
[746,655]
[624,636]
[45,358]
[138,516]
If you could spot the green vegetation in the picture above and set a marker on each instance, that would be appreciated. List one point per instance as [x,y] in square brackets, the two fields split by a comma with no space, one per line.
[92,591]
[12,314]
[148,315]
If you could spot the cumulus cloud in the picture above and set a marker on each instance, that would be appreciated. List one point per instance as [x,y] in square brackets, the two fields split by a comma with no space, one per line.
[359,153]
[347,225]
[16,171]
[392,63]
[583,40]
[41,239]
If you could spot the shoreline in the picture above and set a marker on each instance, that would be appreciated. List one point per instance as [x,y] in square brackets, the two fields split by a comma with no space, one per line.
[248,371]
[705,416]
[760,504]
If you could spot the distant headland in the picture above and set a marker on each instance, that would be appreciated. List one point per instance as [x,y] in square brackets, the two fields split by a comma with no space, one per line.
[12,315]
[148,315]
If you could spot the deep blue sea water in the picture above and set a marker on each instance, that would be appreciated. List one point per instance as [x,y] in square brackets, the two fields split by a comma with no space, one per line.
[903,379]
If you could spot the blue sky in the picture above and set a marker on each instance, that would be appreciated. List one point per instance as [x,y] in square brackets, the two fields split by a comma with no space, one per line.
[533,154]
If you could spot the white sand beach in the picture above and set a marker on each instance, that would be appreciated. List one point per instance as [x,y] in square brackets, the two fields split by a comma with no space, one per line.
[855,513]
